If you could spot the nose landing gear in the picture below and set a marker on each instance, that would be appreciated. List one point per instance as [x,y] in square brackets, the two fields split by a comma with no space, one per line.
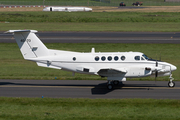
[171,84]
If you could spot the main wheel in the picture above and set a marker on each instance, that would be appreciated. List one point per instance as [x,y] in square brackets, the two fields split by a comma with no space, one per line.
[115,82]
[109,86]
[171,84]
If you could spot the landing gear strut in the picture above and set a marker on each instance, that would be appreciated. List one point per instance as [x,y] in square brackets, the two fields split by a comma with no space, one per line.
[171,84]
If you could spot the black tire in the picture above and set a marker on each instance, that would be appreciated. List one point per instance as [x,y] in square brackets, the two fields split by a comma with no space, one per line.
[109,86]
[115,82]
[171,84]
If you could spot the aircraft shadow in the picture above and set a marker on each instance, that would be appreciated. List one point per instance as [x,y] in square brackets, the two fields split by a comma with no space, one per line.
[96,89]
[99,89]
[49,85]
[102,89]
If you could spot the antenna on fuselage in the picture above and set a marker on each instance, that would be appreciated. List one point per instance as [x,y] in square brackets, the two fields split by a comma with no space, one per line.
[93,50]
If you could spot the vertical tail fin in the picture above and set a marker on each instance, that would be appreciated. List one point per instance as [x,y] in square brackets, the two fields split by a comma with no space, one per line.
[30,45]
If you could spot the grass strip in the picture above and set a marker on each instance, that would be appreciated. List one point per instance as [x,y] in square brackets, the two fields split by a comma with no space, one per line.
[68,109]
[93,27]
[86,17]
[91,21]
[13,66]
[87,2]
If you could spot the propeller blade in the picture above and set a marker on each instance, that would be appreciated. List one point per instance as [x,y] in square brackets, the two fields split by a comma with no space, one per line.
[156,64]
[156,74]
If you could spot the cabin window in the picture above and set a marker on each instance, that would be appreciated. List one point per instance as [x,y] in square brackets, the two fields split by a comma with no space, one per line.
[109,58]
[74,58]
[116,58]
[137,57]
[96,58]
[103,58]
[123,58]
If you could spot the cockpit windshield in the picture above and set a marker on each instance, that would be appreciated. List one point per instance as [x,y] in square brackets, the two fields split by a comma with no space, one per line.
[148,58]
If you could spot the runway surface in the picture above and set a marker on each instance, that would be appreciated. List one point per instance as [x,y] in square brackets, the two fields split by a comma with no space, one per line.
[101,37]
[87,89]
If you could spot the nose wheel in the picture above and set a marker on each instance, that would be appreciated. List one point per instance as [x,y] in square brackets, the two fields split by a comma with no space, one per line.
[171,84]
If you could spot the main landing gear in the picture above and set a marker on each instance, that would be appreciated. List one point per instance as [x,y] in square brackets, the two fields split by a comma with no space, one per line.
[111,83]
[171,84]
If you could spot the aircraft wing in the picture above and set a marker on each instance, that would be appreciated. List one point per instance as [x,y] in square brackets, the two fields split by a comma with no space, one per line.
[106,72]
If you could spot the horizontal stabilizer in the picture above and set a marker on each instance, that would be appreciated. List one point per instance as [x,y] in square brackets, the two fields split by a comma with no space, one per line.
[47,65]
[15,31]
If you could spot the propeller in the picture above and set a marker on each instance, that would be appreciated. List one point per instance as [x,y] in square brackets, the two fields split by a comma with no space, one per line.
[156,71]
[160,57]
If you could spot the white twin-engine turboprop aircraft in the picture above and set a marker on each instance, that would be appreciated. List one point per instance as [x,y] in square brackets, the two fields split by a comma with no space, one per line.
[116,66]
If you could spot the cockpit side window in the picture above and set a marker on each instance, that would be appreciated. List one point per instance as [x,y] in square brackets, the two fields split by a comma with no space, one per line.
[142,58]
[146,57]
[137,57]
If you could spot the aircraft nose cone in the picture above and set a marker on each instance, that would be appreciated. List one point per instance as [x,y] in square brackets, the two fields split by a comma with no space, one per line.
[173,67]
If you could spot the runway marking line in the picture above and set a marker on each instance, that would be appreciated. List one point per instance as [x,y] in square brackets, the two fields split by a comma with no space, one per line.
[88,87]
